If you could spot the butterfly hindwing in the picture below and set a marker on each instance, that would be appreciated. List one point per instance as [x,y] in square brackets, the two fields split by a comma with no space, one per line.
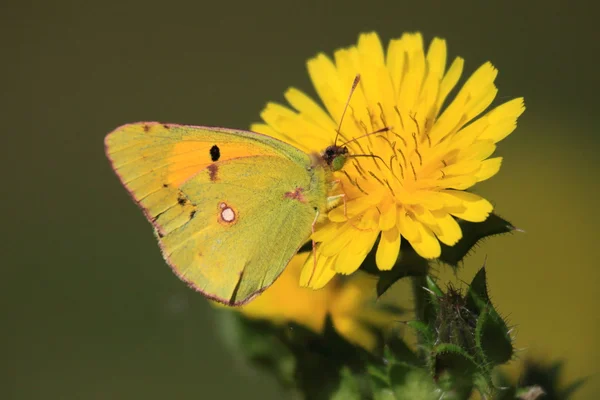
[230,208]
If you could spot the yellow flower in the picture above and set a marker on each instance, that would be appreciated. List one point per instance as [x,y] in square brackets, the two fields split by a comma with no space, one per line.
[346,302]
[408,181]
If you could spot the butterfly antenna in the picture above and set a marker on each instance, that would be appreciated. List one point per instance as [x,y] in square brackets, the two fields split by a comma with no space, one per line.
[384,129]
[354,85]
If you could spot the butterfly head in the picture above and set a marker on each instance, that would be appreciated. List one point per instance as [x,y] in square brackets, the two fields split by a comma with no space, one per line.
[335,156]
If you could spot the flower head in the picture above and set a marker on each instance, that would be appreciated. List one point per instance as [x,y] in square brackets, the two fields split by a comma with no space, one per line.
[346,302]
[408,181]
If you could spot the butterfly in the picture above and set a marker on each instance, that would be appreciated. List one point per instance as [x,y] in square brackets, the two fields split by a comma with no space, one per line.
[230,208]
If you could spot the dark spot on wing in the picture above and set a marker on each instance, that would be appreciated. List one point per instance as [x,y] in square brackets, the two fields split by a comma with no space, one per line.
[192,213]
[212,171]
[215,153]
[181,200]
[165,185]
[146,127]
[166,126]
[296,195]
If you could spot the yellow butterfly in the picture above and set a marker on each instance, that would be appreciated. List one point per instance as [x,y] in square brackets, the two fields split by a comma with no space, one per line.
[230,208]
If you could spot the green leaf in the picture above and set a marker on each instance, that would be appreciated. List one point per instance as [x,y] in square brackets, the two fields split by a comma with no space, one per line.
[454,369]
[477,295]
[398,351]
[472,233]
[492,337]
[409,383]
[349,387]
[381,389]
[424,331]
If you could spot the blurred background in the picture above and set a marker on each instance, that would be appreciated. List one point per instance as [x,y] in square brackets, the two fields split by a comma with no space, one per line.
[90,310]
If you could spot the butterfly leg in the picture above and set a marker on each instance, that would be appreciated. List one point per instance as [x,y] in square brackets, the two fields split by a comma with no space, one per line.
[344,196]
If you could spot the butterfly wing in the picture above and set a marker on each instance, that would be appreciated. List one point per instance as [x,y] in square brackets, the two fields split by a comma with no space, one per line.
[230,208]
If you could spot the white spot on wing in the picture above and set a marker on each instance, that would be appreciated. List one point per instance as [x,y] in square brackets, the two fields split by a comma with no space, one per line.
[227,214]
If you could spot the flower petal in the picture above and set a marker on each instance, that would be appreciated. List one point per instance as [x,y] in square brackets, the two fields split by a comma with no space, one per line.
[489,168]
[311,272]
[503,120]
[449,230]
[473,208]
[450,80]
[326,81]
[427,246]
[408,226]
[388,218]
[388,249]
[349,260]
[310,109]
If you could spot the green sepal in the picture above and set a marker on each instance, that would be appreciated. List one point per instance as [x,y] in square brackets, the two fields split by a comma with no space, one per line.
[491,333]
[453,369]
[472,233]
[425,333]
[478,297]
[431,303]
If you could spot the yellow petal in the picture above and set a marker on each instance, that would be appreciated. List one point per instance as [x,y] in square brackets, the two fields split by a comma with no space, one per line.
[479,150]
[450,231]
[388,249]
[450,80]
[426,217]
[336,244]
[388,218]
[427,246]
[295,128]
[476,91]
[473,208]
[408,226]
[436,58]
[350,259]
[395,63]
[264,129]
[415,74]
[503,120]
[351,208]
[488,168]
[326,81]
[327,231]
[311,272]
[310,109]
[355,332]
[325,277]
[357,119]
[462,168]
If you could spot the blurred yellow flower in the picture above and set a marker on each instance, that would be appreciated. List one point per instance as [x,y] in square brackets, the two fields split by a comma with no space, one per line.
[410,180]
[347,302]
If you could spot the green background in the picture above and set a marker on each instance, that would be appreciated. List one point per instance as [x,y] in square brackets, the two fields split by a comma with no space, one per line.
[90,311]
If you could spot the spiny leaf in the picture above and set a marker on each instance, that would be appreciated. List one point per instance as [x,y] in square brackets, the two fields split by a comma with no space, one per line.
[473,232]
[492,337]
[477,294]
